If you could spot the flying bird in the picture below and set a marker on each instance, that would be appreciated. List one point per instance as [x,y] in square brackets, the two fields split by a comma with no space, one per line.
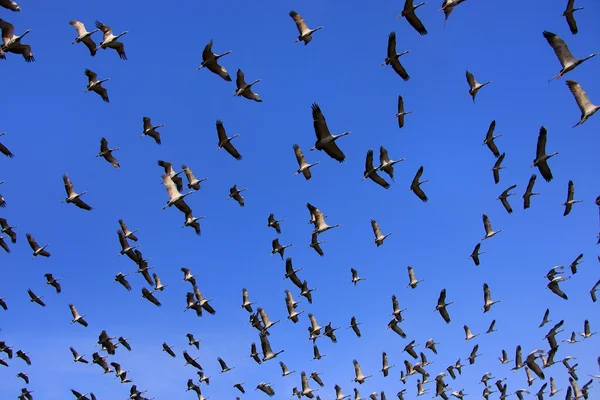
[83,36]
[106,153]
[225,142]
[274,223]
[148,295]
[95,85]
[371,172]
[76,317]
[325,140]
[234,193]
[12,6]
[51,281]
[448,7]
[110,40]
[245,89]
[441,306]
[303,29]
[4,150]
[475,254]
[409,13]
[193,182]
[568,14]
[413,281]
[11,43]
[151,130]
[474,86]
[541,158]
[504,198]
[72,196]
[401,113]
[529,192]
[174,195]
[415,186]
[315,244]
[489,139]
[393,58]
[37,250]
[567,61]
[386,164]
[379,237]
[585,105]
[34,298]
[570,201]
[489,232]
[210,62]
[304,167]
[487,298]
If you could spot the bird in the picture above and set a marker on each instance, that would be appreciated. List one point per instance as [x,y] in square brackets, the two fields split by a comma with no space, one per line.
[239,387]
[37,250]
[110,40]
[430,344]
[225,142]
[224,367]
[169,170]
[585,105]
[567,61]
[412,279]
[592,291]
[34,298]
[191,361]
[371,172]
[267,352]
[174,195]
[4,150]
[474,86]
[587,333]
[72,196]
[23,376]
[401,113]
[359,377]
[148,295]
[541,158]
[267,323]
[128,233]
[319,220]
[497,167]
[10,5]
[468,334]
[575,263]
[473,354]
[234,193]
[126,248]
[409,13]
[284,369]
[489,232]
[304,31]
[553,286]
[491,327]
[83,36]
[441,306]
[3,304]
[304,167]
[448,7]
[124,342]
[151,130]
[487,298]
[315,244]
[475,254]
[106,153]
[77,357]
[355,277]
[379,237]
[11,43]
[210,62]
[529,192]
[274,223]
[354,326]
[393,58]
[95,85]
[266,388]
[193,182]
[158,285]
[386,164]
[568,14]
[245,89]
[570,201]
[6,228]
[489,139]
[415,186]
[325,140]
[168,349]
[246,303]
[504,198]
[278,248]
[51,281]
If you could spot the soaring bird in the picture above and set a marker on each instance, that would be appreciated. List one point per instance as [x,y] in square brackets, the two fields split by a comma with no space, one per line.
[4,150]
[359,377]
[234,193]
[393,58]
[575,263]
[128,233]
[385,366]
[11,43]
[76,317]
[6,228]
[72,196]
[355,277]
[401,113]
[274,223]
[95,85]
[110,40]
[474,86]
[385,164]
[306,390]
[83,36]
[210,61]
[37,250]
[567,61]
[489,139]
[174,195]
[541,158]
[169,170]
[568,14]
[34,298]
[225,142]
[570,201]
[126,248]
[106,153]
[585,105]
[303,29]
[489,232]
[304,167]
[529,192]
[267,353]
[315,244]
[413,281]
[223,364]
[148,295]
[77,357]
[191,361]
[441,306]
[448,7]
[379,237]
[193,182]
[371,172]
[52,281]
[245,89]
[497,167]
[554,288]
[487,298]
[325,140]
[151,130]
[409,13]
[475,254]
[415,186]
[504,198]
[246,303]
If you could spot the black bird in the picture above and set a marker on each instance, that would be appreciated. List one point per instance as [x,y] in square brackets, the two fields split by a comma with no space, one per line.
[541,158]
[393,58]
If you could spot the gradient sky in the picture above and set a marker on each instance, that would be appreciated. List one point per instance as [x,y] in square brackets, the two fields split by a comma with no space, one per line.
[54,128]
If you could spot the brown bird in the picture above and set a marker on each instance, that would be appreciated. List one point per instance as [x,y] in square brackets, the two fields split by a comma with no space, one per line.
[278,248]
[371,172]
[304,31]
[95,85]
[210,61]
[76,317]
[51,281]
[325,140]
[234,193]
[415,186]
[23,356]
[170,171]
[315,243]
[274,223]
[585,105]
[4,150]
[489,139]
[409,13]
[12,6]
[11,43]
[304,167]
[128,233]
[568,14]
[393,58]
[474,86]
[529,192]
[441,306]
[34,298]
[504,198]
[245,89]
[72,196]
[567,61]
[3,244]
[379,237]
[541,158]
[569,203]
[37,250]
[575,263]
[110,40]
[225,142]
[6,228]
[475,254]
[106,153]
[151,130]
[83,36]
[148,295]
[448,7]
[193,182]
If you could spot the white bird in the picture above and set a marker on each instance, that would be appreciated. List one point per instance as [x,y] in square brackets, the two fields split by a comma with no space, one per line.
[585,105]
[489,232]
[76,317]
[304,31]
[83,36]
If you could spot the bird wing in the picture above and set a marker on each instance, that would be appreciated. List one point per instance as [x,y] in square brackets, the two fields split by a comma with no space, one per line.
[357,369]
[107,30]
[102,92]
[531,183]
[414,21]
[299,155]
[391,47]
[376,230]
[68,186]
[506,204]
[170,185]
[103,145]
[8,31]
[4,245]
[239,80]
[207,52]
[570,191]
[333,151]
[79,27]
[300,24]
[4,150]
[82,204]
[32,243]
[92,76]
[375,177]
[90,44]
[541,142]
[487,298]
[147,123]
[112,160]
[214,67]
[383,155]
[397,66]
[188,173]
[319,123]
[444,314]
[369,161]
[580,96]
[486,224]
[571,20]
[560,48]
[471,80]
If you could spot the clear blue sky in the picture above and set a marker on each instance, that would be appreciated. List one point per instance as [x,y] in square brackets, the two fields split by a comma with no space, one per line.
[54,128]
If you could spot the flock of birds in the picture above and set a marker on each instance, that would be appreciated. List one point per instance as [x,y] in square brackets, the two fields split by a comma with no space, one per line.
[535,364]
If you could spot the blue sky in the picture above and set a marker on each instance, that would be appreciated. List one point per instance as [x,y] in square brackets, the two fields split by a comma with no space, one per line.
[54,128]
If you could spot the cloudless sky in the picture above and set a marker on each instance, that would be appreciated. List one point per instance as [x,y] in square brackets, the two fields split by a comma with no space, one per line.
[54,128]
